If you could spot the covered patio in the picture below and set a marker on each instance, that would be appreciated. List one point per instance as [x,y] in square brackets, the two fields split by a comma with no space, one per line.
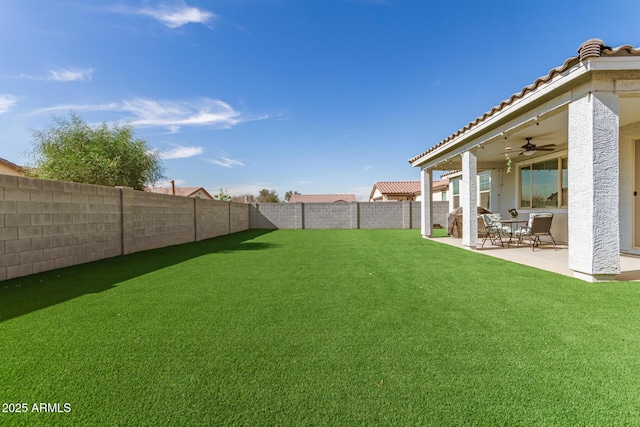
[568,144]
[546,258]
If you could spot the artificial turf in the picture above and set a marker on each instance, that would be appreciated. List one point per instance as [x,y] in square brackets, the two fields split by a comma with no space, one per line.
[318,327]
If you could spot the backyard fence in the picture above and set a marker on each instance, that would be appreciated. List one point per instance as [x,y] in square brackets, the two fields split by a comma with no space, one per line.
[342,215]
[46,225]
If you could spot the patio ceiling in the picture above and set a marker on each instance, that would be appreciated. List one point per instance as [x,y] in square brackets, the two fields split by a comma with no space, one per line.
[551,128]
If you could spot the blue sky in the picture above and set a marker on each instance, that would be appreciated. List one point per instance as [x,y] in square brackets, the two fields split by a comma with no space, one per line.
[314,96]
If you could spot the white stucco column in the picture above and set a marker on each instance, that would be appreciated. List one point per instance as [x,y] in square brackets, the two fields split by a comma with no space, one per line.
[469,200]
[426,211]
[594,229]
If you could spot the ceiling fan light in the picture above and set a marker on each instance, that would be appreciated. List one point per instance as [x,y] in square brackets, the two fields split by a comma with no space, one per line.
[528,153]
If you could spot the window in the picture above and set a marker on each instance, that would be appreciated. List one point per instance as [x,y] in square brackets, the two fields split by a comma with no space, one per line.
[444,196]
[539,184]
[455,184]
[485,190]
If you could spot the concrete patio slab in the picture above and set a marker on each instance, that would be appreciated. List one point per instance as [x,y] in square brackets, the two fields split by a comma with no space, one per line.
[545,257]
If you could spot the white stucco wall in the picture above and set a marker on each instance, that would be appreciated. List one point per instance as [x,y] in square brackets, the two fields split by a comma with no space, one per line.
[201,195]
[594,239]
[469,199]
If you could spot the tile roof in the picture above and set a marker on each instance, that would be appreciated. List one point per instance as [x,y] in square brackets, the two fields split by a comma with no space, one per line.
[440,185]
[180,191]
[397,187]
[11,165]
[322,198]
[589,49]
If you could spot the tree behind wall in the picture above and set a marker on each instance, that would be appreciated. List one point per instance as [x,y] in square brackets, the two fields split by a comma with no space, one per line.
[72,150]
[223,195]
[268,196]
[288,194]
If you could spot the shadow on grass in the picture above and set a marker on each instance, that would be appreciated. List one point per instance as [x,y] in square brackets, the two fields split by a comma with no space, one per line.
[27,294]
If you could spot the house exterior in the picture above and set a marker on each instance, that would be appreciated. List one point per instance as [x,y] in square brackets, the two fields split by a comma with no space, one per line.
[486,198]
[440,190]
[393,191]
[322,198]
[197,192]
[569,144]
[9,168]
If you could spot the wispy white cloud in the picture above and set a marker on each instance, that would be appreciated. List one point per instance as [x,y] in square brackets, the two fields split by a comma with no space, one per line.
[7,102]
[367,168]
[172,15]
[113,106]
[172,115]
[63,75]
[225,162]
[168,114]
[71,75]
[181,152]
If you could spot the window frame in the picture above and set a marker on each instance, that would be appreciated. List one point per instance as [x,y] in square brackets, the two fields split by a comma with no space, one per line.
[455,195]
[487,191]
[559,156]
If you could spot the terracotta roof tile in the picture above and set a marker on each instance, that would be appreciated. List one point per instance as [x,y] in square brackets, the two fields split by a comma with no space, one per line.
[588,49]
[11,165]
[440,185]
[322,198]
[398,187]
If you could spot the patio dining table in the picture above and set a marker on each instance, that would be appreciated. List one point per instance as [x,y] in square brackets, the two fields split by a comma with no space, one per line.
[512,224]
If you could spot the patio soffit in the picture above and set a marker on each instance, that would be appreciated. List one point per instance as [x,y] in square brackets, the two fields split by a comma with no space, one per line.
[545,123]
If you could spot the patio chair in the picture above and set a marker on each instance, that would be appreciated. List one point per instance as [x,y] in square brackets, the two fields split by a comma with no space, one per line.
[539,225]
[487,229]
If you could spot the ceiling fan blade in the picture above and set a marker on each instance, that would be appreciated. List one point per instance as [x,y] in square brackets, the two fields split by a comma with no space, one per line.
[545,146]
[543,149]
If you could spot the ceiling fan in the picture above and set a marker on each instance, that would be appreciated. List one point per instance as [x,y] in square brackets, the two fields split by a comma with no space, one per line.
[529,149]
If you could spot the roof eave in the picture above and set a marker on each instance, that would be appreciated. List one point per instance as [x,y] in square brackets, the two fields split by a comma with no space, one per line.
[567,77]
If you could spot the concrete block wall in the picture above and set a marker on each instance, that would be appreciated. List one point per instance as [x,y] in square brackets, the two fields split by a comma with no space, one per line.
[342,215]
[383,215]
[239,217]
[416,218]
[328,215]
[440,213]
[273,216]
[161,220]
[51,224]
[212,218]
[46,225]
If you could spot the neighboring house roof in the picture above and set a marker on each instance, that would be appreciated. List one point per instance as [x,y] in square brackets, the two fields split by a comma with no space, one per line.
[180,191]
[441,185]
[322,198]
[396,188]
[590,48]
[13,168]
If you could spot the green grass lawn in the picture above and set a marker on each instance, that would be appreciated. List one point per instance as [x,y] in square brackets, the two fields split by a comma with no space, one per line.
[314,327]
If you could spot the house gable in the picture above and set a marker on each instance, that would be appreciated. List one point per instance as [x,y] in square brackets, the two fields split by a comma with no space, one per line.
[9,168]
